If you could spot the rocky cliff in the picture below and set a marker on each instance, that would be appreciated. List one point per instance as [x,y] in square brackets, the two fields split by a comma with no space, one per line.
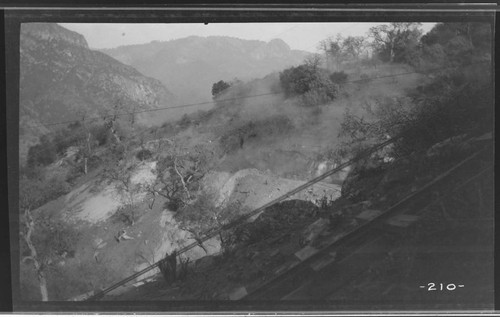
[61,78]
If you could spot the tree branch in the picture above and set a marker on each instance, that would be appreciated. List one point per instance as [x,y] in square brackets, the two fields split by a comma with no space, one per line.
[182,178]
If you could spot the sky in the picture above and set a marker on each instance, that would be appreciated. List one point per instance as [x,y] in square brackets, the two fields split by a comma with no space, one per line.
[301,36]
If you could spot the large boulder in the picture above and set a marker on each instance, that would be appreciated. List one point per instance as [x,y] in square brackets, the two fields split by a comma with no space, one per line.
[314,230]
[450,146]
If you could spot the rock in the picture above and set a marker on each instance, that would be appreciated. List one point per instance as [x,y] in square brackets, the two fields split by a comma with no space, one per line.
[138,284]
[455,143]
[238,293]
[402,221]
[485,137]
[97,242]
[306,252]
[126,237]
[314,230]
[324,261]
[82,297]
[369,214]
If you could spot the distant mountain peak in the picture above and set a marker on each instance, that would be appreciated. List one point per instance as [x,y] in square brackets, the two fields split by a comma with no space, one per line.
[53,31]
[279,44]
[189,66]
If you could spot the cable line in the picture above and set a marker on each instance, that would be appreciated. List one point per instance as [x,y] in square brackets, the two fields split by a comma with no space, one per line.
[247,97]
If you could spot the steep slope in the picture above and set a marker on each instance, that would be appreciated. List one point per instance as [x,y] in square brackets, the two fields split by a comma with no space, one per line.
[190,66]
[60,78]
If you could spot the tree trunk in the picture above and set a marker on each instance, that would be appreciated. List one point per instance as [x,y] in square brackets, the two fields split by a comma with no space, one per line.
[182,180]
[391,59]
[113,131]
[43,286]
[34,256]
[85,166]
[88,143]
[328,61]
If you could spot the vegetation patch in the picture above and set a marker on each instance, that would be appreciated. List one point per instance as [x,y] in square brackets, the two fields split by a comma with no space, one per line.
[235,139]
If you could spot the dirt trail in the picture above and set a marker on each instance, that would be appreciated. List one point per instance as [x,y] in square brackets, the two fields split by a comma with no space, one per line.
[83,204]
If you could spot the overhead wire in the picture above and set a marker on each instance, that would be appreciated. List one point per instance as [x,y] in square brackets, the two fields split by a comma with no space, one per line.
[245,217]
[240,220]
[248,97]
[212,233]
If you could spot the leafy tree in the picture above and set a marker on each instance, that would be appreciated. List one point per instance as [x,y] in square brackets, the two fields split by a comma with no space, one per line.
[333,50]
[338,78]
[219,87]
[204,215]
[301,79]
[457,43]
[42,153]
[394,41]
[353,46]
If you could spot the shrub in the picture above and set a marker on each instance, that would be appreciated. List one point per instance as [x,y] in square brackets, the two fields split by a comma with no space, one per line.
[305,78]
[316,97]
[144,154]
[219,87]
[43,153]
[364,78]
[235,138]
[184,122]
[430,116]
[338,78]
[100,133]
[126,214]
[204,215]
[53,238]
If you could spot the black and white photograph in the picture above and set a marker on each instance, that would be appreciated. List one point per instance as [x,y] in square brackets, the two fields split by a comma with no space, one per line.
[305,165]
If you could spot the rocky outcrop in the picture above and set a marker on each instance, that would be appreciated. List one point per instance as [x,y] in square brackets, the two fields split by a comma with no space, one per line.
[60,78]
[53,32]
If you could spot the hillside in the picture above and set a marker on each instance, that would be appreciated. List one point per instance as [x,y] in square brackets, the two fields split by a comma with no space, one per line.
[284,144]
[189,66]
[309,183]
[61,79]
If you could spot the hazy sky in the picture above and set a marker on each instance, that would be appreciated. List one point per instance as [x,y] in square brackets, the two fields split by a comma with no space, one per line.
[302,36]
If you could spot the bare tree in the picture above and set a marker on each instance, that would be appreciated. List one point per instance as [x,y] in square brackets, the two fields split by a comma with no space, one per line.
[333,50]
[39,268]
[313,60]
[29,196]
[180,172]
[86,143]
[354,46]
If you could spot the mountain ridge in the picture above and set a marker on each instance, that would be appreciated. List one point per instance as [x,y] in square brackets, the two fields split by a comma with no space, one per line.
[189,66]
